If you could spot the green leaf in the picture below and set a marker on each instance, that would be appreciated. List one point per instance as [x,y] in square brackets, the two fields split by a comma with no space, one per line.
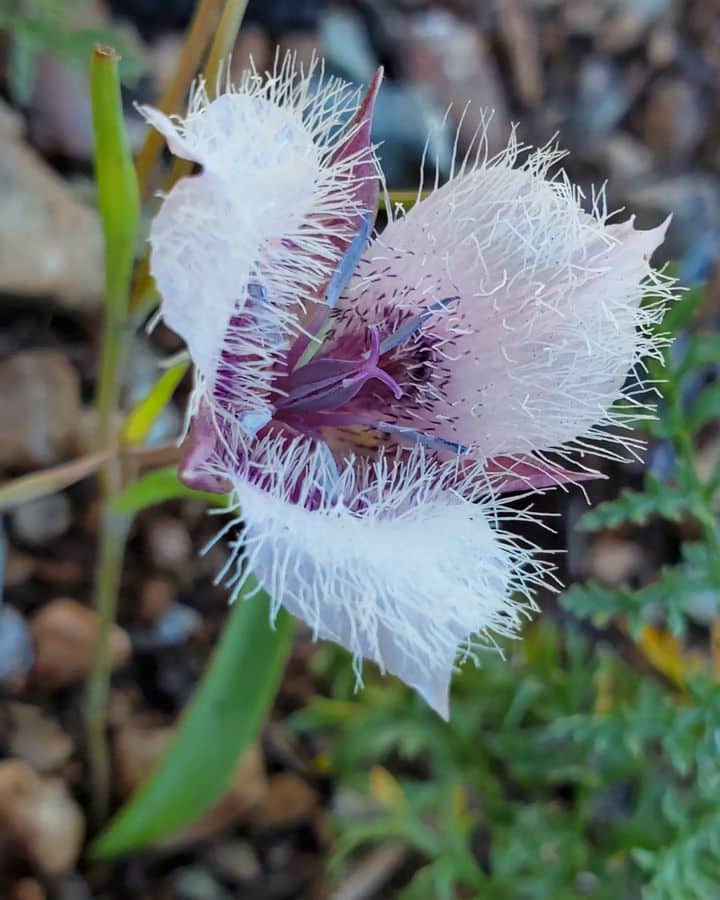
[703,350]
[599,604]
[637,507]
[143,416]
[157,487]
[681,313]
[706,407]
[223,719]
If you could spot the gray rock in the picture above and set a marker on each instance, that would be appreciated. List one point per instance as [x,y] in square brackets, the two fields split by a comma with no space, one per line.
[40,409]
[235,859]
[346,45]
[11,123]
[176,626]
[629,23]
[50,243]
[451,62]
[196,883]
[16,650]
[604,96]
[674,121]
[43,520]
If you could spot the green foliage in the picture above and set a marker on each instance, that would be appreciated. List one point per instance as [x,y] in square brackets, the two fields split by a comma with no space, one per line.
[52,26]
[583,764]
[156,487]
[563,774]
[638,507]
[690,402]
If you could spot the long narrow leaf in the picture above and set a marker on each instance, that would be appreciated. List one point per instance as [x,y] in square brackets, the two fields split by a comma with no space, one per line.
[142,417]
[49,481]
[157,487]
[223,720]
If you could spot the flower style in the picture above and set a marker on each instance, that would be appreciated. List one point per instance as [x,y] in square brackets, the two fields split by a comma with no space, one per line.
[366,403]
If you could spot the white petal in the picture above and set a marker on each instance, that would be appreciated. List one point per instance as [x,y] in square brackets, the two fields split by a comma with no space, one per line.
[387,564]
[169,130]
[250,236]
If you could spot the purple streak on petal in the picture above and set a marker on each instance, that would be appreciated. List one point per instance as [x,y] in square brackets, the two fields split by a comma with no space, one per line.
[366,198]
[348,264]
[414,436]
[410,327]
[510,474]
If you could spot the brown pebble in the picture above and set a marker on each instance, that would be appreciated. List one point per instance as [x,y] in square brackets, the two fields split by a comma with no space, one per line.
[64,634]
[613,561]
[169,543]
[156,597]
[40,408]
[37,739]
[289,800]
[39,818]
[27,889]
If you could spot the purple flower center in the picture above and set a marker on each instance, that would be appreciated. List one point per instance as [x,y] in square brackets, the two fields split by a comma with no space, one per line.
[326,385]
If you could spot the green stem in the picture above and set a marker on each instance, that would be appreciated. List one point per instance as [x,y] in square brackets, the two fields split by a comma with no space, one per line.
[119,203]
[107,583]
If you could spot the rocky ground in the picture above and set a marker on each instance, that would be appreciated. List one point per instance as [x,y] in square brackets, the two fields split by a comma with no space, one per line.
[633,90]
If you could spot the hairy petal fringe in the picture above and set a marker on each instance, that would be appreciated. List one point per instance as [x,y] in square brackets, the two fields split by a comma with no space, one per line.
[549,321]
[242,249]
[383,558]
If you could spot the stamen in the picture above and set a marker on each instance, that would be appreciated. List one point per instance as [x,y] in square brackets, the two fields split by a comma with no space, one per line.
[413,436]
[308,343]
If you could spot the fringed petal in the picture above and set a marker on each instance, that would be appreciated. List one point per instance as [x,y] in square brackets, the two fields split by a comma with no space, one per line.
[382,559]
[529,310]
[241,250]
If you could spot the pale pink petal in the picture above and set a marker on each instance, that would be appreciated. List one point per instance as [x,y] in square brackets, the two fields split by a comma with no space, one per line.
[531,316]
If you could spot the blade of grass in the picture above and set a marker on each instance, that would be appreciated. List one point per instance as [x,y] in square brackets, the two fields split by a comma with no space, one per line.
[141,419]
[119,203]
[157,487]
[49,481]
[224,718]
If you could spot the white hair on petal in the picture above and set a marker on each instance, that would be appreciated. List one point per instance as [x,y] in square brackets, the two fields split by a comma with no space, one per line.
[557,308]
[239,250]
[385,557]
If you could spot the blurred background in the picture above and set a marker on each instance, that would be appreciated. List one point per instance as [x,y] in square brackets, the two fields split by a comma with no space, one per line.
[582,766]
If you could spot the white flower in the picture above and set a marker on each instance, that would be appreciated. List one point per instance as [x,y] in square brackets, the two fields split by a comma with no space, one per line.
[364,438]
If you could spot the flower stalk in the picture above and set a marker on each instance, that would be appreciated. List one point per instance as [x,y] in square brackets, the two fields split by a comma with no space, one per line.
[119,203]
[198,37]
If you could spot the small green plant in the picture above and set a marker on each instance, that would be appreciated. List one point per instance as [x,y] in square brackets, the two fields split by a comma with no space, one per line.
[52,26]
[686,492]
